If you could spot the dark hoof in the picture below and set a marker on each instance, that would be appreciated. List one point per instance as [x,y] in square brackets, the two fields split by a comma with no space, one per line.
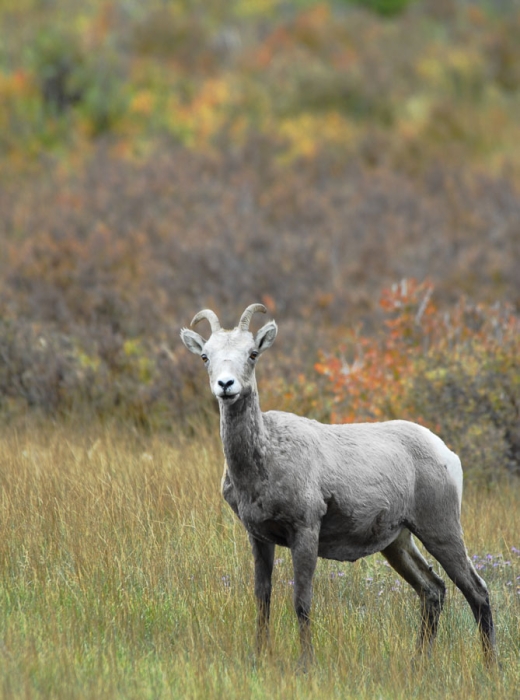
[305,664]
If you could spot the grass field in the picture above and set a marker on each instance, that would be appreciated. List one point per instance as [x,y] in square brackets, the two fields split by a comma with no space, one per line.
[124,575]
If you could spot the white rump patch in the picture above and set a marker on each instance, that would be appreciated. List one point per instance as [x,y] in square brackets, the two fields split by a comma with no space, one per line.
[449,459]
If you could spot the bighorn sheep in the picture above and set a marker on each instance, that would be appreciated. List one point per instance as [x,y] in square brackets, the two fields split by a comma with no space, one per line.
[335,491]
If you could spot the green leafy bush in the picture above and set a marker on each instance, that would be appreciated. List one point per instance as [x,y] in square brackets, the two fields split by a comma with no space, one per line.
[58,63]
[387,8]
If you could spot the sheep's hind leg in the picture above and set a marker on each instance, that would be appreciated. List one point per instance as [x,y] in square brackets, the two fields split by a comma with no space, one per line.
[263,553]
[449,550]
[409,563]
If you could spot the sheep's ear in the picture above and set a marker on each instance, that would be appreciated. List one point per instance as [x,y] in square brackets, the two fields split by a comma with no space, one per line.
[193,341]
[265,336]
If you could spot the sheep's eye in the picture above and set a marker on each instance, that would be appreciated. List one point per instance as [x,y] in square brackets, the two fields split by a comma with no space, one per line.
[204,359]
[253,355]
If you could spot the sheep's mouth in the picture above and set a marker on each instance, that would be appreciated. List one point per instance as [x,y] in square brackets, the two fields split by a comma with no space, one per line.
[228,397]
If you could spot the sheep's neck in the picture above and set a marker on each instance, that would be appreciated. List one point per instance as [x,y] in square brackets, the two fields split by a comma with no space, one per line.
[244,439]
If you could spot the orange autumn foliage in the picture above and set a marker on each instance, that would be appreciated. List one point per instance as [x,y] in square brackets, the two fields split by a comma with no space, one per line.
[383,363]
[456,372]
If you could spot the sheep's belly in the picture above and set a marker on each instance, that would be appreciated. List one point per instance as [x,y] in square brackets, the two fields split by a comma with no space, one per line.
[347,551]
[345,540]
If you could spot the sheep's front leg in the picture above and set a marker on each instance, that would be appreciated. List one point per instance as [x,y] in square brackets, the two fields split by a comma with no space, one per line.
[263,553]
[304,553]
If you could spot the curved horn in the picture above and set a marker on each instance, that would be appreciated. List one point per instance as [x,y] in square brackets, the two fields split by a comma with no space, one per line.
[245,319]
[209,315]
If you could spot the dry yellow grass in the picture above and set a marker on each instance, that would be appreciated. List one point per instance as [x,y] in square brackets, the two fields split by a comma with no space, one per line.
[124,575]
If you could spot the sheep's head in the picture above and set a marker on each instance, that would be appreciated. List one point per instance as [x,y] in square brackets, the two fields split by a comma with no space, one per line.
[230,356]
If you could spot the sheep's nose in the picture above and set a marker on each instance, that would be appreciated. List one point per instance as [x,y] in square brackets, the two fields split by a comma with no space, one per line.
[226,384]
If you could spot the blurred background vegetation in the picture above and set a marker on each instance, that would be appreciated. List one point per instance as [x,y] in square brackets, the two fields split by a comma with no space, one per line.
[320,157]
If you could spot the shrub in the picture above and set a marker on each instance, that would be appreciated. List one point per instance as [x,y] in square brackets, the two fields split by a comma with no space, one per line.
[108,259]
[387,8]
[456,372]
